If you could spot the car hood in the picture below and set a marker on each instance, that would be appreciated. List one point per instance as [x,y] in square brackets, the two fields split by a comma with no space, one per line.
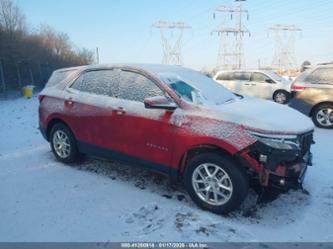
[263,115]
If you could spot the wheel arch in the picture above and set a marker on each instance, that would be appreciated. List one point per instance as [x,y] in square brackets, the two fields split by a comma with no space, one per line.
[53,122]
[200,149]
[319,104]
[280,90]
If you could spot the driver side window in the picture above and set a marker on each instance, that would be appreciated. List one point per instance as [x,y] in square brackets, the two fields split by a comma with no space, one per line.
[136,87]
[260,77]
[183,89]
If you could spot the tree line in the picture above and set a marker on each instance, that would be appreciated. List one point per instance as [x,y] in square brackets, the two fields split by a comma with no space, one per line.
[28,57]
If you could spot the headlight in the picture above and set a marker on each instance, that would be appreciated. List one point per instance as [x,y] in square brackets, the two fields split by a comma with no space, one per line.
[281,142]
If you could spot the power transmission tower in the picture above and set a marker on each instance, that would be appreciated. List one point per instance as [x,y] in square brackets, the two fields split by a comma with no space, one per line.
[231,54]
[171,53]
[285,37]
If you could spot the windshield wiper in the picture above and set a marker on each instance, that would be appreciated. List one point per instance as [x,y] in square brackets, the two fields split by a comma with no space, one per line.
[228,100]
[238,95]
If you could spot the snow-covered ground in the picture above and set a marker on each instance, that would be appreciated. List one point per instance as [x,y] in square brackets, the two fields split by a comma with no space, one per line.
[43,200]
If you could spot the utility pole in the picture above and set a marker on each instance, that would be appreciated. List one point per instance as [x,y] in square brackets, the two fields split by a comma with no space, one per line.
[97,55]
[231,54]
[18,74]
[2,75]
[32,80]
[171,53]
[285,37]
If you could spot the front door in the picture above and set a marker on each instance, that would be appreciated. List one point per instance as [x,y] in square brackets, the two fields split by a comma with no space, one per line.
[142,133]
[262,85]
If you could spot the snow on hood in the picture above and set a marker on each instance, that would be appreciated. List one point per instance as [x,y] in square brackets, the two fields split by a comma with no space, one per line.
[262,115]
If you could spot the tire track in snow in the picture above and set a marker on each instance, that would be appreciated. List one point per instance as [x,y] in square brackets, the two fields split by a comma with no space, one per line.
[24,152]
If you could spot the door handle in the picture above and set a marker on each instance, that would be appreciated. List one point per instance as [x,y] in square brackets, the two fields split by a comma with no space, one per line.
[69,102]
[120,111]
[247,84]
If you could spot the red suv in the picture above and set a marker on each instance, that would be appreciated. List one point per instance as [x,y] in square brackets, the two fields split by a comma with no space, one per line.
[178,122]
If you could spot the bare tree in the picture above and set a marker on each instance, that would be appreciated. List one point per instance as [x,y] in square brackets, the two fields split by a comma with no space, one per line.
[30,57]
[58,43]
[11,17]
[86,56]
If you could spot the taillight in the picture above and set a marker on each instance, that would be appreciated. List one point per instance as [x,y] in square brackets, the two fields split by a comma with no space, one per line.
[40,98]
[295,87]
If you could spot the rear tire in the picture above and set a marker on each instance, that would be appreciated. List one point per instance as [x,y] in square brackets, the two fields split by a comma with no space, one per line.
[63,144]
[216,183]
[322,116]
[281,97]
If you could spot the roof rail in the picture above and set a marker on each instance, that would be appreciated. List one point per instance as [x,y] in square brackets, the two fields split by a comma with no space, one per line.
[326,63]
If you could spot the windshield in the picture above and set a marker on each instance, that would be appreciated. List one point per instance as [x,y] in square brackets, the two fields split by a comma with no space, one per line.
[197,88]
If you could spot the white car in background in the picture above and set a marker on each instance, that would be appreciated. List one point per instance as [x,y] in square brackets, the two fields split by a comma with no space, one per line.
[256,83]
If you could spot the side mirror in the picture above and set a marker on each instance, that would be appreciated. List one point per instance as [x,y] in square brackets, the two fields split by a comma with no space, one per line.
[159,102]
[269,81]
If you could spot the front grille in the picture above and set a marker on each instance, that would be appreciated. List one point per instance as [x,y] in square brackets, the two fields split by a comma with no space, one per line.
[305,141]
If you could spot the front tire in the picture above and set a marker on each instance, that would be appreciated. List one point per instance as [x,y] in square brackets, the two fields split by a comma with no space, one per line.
[216,183]
[281,97]
[322,116]
[63,144]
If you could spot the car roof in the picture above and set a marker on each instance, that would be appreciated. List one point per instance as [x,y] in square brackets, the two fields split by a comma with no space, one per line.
[152,68]
[323,66]
[330,63]
[314,68]
[246,71]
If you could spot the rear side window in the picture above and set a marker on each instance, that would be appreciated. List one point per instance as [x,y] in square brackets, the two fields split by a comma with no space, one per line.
[242,76]
[224,76]
[101,82]
[59,76]
[321,76]
[136,87]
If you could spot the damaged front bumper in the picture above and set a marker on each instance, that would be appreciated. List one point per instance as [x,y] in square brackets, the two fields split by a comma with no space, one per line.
[279,168]
[286,175]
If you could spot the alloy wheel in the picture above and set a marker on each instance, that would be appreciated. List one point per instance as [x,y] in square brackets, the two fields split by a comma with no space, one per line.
[212,184]
[325,117]
[280,98]
[61,144]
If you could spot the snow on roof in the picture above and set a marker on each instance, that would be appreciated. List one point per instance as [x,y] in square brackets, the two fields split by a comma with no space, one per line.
[152,68]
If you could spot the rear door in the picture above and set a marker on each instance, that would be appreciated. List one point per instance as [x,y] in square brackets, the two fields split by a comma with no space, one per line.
[242,83]
[90,103]
[142,133]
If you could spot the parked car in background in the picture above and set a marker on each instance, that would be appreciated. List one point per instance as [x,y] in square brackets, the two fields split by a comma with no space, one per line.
[178,122]
[256,83]
[313,95]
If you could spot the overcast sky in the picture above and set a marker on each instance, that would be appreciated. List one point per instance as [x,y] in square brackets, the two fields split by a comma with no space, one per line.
[122,29]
